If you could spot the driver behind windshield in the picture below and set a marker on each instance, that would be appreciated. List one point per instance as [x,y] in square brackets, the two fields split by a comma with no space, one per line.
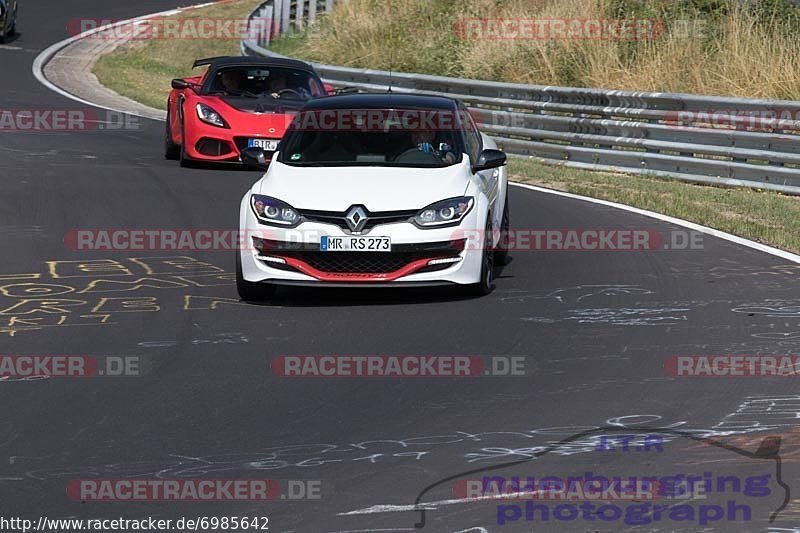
[277,83]
[274,83]
[231,81]
[423,140]
[281,86]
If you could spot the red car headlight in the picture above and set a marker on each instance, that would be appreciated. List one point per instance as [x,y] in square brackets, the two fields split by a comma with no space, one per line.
[208,115]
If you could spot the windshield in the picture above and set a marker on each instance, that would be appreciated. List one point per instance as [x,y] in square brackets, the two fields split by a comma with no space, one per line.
[374,137]
[263,82]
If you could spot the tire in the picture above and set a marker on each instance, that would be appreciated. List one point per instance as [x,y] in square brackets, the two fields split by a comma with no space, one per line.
[501,253]
[172,151]
[486,284]
[184,159]
[249,291]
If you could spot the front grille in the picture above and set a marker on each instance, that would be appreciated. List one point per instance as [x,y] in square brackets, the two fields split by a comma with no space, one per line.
[374,219]
[212,147]
[364,262]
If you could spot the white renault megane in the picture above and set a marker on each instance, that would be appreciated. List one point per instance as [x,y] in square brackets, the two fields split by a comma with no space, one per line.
[375,190]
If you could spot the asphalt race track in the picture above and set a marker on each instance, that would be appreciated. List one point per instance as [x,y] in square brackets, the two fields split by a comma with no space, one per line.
[594,329]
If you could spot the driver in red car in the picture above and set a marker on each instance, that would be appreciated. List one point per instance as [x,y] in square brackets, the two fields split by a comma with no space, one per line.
[231,81]
[277,83]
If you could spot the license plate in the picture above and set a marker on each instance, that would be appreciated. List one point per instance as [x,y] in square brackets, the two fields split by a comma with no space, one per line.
[266,144]
[355,244]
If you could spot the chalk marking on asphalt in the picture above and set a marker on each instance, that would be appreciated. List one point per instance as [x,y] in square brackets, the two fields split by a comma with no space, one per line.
[783,254]
[433,506]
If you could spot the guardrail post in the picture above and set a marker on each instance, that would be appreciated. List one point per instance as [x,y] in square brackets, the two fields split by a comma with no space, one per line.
[277,13]
[312,11]
[286,13]
[269,25]
[299,14]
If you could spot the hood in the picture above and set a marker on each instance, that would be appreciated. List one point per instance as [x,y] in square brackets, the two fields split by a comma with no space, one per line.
[376,188]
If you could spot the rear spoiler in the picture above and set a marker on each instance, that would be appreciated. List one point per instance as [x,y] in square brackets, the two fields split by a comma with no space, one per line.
[206,61]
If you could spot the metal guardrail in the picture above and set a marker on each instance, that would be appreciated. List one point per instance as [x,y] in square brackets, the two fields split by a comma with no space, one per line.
[664,134]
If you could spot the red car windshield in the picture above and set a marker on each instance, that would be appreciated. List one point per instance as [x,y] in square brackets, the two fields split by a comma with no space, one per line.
[267,82]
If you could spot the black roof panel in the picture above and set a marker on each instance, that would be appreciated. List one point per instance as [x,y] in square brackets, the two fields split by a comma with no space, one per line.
[215,63]
[382,101]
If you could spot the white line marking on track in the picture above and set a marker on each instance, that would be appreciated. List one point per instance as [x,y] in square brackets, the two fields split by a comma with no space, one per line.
[783,254]
[41,60]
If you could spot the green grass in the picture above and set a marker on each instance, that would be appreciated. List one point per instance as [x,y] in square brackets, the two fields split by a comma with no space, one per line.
[765,217]
[142,70]
[724,47]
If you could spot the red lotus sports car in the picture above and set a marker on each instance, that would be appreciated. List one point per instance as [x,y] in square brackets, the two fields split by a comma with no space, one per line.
[238,102]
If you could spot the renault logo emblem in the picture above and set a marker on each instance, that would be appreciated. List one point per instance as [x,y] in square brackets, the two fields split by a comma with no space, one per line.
[356,218]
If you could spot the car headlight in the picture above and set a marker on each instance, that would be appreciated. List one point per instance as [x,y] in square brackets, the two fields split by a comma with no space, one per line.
[444,213]
[209,116]
[273,211]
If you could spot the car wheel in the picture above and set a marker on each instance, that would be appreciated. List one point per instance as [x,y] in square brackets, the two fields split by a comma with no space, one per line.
[501,253]
[486,284]
[13,29]
[249,291]
[172,151]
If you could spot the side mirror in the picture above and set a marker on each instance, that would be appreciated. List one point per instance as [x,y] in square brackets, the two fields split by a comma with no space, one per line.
[489,159]
[255,157]
[180,84]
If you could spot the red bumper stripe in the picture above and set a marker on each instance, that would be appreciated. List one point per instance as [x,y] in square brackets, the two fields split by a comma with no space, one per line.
[307,269]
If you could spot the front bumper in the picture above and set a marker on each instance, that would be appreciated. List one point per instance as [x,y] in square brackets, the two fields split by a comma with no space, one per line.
[210,143]
[440,256]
